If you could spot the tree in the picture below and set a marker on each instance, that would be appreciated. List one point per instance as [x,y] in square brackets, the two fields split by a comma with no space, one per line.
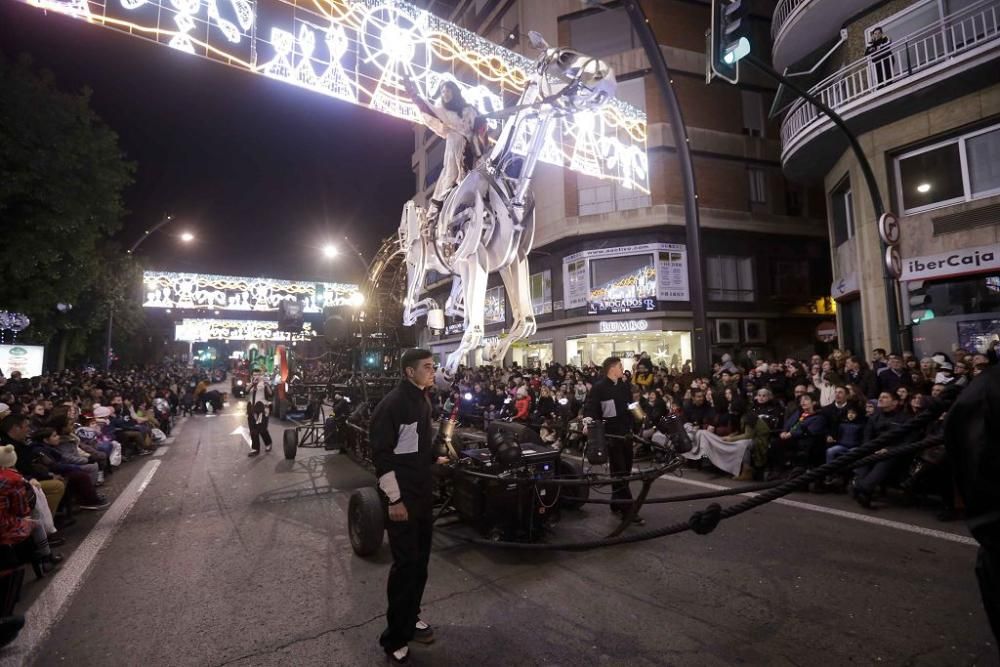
[62,174]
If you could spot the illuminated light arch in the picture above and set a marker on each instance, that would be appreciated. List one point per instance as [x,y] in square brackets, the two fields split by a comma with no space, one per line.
[335,48]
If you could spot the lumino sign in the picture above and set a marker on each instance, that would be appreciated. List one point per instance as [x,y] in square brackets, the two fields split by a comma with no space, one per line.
[623,326]
[953,263]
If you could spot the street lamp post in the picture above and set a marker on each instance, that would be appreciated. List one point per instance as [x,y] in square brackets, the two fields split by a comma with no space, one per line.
[187,237]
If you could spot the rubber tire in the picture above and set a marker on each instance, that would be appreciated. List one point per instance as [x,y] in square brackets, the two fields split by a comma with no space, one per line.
[290,443]
[570,468]
[365,521]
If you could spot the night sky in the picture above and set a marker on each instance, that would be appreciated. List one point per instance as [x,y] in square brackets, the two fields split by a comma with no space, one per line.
[262,172]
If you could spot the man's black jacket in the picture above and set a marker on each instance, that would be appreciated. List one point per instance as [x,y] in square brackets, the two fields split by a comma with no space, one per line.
[400,436]
[609,401]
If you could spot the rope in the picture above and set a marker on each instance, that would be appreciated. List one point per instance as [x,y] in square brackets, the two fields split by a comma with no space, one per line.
[705,521]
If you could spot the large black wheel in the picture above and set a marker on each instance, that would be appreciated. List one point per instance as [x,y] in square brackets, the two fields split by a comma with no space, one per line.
[572,497]
[365,521]
[290,443]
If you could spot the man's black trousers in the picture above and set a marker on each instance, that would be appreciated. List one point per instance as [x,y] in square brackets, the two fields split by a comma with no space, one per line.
[620,460]
[410,542]
[258,432]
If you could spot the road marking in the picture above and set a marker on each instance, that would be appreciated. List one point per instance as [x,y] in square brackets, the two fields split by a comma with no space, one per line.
[243,431]
[54,600]
[160,451]
[864,518]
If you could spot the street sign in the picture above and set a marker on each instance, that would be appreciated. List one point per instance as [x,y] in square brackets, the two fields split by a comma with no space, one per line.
[893,262]
[888,228]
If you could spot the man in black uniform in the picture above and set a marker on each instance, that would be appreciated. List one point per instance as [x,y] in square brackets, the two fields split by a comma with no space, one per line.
[609,400]
[258,409]
[972,437]
[403,454]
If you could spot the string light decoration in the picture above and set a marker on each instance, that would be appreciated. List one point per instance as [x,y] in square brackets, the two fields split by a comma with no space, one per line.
[360,50]
[194,330]
[235,293]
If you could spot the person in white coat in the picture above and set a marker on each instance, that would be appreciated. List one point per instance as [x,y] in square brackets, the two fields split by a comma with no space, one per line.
[454,120]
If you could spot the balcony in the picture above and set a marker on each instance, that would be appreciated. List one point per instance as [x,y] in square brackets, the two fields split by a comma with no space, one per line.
[953,57]
[798,27]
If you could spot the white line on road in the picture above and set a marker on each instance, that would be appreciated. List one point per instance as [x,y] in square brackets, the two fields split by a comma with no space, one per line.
[243,431]
[160,451]
[898,525]
[54,600]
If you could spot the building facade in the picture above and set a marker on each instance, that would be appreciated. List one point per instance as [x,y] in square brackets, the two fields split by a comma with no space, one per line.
[609,268]
[926,108]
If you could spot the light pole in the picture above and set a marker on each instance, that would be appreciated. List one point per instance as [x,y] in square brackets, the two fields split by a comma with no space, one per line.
[186,237]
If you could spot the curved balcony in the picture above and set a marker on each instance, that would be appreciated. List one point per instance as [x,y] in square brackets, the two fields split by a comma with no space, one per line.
[956,56]
[798,27]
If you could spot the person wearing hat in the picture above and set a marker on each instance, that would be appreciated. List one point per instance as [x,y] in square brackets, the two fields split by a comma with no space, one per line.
[20,523]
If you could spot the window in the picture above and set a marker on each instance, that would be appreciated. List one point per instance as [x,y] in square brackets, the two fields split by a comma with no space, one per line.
[602,33]
[842,213]
[956,170]
[791,278]
[496,306]
[730,278]
[758,186]
[597,196]
[753,113]
[541,292]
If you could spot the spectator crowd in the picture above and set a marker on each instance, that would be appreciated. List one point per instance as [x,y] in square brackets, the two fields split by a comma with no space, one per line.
[754,420]
[61,436]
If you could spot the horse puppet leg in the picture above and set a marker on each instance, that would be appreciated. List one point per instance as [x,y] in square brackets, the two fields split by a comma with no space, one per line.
[473,277]
[516,280]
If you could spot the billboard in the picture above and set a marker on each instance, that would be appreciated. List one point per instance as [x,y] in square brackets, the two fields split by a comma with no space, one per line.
[237,293]
[192,330]
[625,279]
[25,358]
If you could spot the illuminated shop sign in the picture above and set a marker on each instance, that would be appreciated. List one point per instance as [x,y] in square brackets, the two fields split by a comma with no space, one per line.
[235,293]
[626,279]
[953,263]
[623,326]
[361,52]
[196,330]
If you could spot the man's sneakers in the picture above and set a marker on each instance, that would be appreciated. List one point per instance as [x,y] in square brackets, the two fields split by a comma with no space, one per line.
[267,448]
[423,633]
[400,656]
[96,507]
[253,453]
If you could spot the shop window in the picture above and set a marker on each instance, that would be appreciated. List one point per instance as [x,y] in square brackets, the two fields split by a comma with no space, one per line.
[496,306]
[541,292]
[956,170]
[842,213]
[603,33]
[730,278]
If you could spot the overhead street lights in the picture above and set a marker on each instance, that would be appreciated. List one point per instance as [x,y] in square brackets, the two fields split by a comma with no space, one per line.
[186,237]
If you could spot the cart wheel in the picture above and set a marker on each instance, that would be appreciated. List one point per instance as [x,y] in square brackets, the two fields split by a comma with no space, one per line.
[290,443]
[572,497]
[365,522]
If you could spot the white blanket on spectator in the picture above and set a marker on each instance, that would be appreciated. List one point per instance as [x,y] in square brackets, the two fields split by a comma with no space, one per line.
[727,456]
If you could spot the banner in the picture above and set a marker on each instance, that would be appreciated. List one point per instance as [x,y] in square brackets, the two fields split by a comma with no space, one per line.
[625,279]
[199,330]
[236,293]
[24,358]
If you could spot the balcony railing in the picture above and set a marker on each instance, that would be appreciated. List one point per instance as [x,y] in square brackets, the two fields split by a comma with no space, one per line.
[781,14]
[865,78]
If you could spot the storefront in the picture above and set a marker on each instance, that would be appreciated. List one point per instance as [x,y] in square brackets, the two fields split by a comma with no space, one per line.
[953,298]
[534,354]
[667,348]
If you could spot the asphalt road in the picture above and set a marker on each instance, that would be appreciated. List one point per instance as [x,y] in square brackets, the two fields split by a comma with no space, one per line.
[211,558]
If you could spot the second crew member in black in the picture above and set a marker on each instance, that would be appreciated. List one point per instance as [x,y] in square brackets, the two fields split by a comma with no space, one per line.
[258,410]
[608,401]
[403,454]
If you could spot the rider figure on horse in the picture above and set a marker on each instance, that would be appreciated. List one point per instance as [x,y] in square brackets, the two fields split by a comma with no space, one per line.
[463,130]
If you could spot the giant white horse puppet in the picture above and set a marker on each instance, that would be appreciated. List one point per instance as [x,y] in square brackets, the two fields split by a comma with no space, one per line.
[486,223]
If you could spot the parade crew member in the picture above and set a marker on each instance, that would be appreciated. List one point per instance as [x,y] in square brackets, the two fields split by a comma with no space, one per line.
[403,453]
[258,409]
[608,401]
[972,438]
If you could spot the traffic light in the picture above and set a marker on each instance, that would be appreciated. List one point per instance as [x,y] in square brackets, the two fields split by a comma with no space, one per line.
[728,43]
[920,301]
